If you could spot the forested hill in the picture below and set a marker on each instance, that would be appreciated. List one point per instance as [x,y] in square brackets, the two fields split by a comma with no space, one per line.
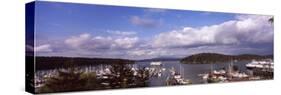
[58,62]
[205,58]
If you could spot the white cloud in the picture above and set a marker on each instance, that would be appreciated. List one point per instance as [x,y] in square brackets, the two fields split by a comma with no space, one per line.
[228,37]
[90,42]
[115,43]
[245,29]
[145,53]
[75,41]
[43,48]
[122,33]
[145,22]
[127,42]
[253,28]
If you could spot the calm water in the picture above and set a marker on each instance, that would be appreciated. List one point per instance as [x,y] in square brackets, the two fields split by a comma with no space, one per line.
[189,71]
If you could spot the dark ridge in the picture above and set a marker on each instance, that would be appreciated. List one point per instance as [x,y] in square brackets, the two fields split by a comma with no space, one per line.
[44,63]
[159,59]
[205,58]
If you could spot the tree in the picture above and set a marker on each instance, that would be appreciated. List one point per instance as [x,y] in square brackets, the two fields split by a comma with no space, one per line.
[65,81]
[70,79]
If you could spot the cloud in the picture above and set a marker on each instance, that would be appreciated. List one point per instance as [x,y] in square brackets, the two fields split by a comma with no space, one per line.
[122,33]
[245,29]
[126,43]
[245,34]
[144,22]
[43,48]
[149,52]
[90,42]
[75,41]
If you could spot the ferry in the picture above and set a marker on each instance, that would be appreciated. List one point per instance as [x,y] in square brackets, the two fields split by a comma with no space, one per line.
[263,68]
[156,63]
[265,64]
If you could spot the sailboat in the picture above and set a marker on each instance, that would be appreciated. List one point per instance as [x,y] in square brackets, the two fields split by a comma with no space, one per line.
[213,76]
[177,78]
[183,81]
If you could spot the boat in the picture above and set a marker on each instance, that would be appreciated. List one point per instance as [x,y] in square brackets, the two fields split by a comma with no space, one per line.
[216,79]
[222,75]
[155,69]
[265,64]
[158,63]
[213,78]
[177,78]
[183,81]
[262,68]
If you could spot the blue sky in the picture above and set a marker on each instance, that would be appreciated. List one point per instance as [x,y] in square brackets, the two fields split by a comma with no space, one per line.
[84,30]
[71,19]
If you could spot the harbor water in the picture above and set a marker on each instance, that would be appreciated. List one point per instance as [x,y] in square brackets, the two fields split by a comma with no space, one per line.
[187,71]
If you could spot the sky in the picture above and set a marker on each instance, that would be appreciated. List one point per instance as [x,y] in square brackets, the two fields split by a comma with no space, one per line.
[84,30]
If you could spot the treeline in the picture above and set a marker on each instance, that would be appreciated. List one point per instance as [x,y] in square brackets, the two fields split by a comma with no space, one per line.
[205,58]
[159,59]
[43,63]
[122,76]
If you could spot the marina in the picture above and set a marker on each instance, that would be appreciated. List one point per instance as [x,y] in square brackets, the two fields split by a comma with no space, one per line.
[80,47]
[164,73]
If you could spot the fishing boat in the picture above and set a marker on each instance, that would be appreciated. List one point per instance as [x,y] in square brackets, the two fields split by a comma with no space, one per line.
[214,77]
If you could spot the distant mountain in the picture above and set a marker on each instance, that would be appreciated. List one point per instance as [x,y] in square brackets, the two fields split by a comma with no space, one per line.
[160,59]
[205,58]
[60,62]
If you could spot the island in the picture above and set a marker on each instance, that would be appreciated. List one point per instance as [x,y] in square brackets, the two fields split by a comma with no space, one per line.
[206,58]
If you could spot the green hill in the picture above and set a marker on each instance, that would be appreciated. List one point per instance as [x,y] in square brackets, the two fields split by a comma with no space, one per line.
[205,58]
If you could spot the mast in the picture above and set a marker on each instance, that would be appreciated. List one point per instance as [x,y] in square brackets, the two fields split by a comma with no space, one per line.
[181,72]
[212,68]
[230,66]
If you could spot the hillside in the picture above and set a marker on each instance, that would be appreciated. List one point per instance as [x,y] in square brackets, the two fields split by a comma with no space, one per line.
[59,62]
[159,59]
[205,58]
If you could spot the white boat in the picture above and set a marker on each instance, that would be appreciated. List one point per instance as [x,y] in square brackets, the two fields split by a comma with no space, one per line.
[265,64]
[240,75]
[219,72]
[156,63]
[178,78]
[159,74]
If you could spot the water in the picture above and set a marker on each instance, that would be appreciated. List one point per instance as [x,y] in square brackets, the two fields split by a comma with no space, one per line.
[188,71]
